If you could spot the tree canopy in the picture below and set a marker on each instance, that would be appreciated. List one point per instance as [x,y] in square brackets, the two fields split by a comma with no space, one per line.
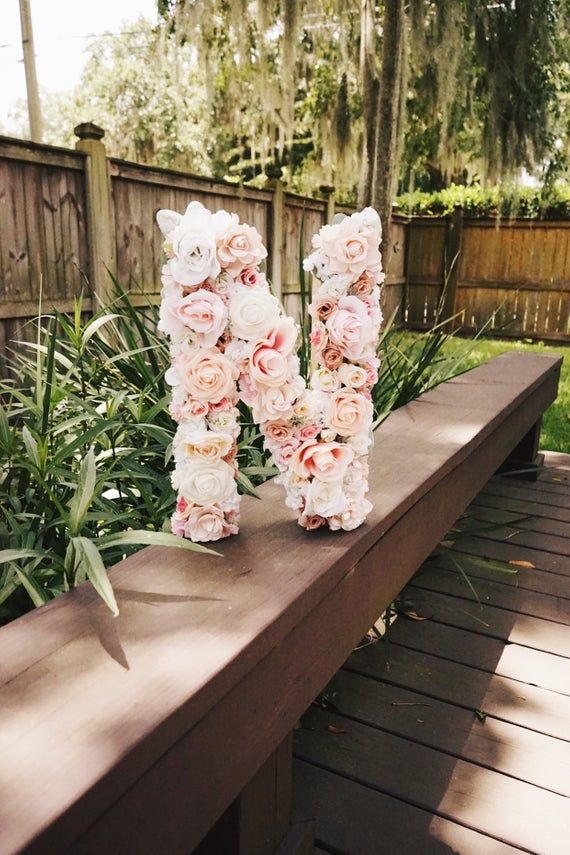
[369,97]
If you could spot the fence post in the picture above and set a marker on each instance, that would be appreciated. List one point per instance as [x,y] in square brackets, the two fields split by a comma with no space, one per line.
[100,213]
[452,250]
[328,192]
[276,248]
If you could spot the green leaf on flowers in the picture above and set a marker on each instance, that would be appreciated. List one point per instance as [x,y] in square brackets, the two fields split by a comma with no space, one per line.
[142,537]
[89,564]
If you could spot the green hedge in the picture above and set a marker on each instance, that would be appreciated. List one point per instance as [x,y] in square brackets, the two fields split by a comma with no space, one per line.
[490,202]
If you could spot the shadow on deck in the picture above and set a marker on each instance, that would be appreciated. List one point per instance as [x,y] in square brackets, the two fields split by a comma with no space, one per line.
[455,735]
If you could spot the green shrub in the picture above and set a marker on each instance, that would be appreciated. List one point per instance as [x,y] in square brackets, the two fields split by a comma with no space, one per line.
[506,203]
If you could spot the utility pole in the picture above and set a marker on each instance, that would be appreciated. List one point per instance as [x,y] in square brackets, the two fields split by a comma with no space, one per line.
[34,110]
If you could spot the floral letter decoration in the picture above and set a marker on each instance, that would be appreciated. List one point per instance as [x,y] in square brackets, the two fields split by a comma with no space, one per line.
[230,339]
[323,451]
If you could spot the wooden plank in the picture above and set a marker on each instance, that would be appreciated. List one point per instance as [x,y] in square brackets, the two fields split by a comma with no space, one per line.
[559,488]
[535,633]
[514,599]
[555,459]
[532,508]
[29,152]
[485,548]
[502,807]
[516,751]
[479,514]
[500,697]
[513,535]
[132,730]
[558,500]
[487,654]
[357,820]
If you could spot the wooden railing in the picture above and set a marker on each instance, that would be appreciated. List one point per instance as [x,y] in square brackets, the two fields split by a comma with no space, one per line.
[66,216]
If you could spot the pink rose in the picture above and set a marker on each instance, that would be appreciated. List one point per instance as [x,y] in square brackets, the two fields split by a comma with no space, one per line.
[309,432]
[327,461]
[204,313]
[207,522]
[282,454]
[206,374]
[252,277]
[312,521]
[322,308]
[363,286]
[277,431]
[349,412]
[351,328]
[317,338]
[267,366]
[332,356]
[240,246]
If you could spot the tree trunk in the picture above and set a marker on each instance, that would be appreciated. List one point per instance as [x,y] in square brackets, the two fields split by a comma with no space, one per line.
[389,116]
[370,87]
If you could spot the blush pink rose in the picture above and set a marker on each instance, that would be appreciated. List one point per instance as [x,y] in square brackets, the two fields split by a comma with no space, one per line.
[252,277]
[240,246]
[349,413]
[312,521]
[351,328]
[309,432]
[207,522]
[317,338]
[277,431]
[327,461]
[282,454]
[363,286]
[331,356]
[204,313]
[206,374]
[322,308]
[268,367]
[349,247]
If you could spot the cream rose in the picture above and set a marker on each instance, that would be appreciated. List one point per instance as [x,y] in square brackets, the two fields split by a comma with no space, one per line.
[207,523]
[253,314]
[325,498]
[205,444]
[203,482]
[206,374]
[354,376]
[327,461]
[267,366]
[351,327]
[349,413]
[325,380]
[205,313]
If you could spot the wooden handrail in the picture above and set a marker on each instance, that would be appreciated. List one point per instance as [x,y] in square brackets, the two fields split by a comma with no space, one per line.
[134,734]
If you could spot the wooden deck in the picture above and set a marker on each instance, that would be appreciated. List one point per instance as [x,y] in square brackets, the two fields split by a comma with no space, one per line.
[455,735]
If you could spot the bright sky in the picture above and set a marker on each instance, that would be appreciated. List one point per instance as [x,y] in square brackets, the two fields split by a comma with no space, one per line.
[60,27]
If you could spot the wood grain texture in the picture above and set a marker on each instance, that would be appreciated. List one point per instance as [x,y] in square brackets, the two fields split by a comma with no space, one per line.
[152,702]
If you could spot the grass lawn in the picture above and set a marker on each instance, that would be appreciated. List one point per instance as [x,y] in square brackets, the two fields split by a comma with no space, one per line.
[555,435]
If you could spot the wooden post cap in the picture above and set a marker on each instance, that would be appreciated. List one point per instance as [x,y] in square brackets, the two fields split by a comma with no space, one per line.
[88,131]
[326,189]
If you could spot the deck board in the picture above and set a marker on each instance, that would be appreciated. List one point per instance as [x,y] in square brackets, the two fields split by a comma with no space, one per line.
[455,735]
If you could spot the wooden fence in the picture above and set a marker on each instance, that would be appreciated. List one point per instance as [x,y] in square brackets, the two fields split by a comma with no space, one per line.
[67,215]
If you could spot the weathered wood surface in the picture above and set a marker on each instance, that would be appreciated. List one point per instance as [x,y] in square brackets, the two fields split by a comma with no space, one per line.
[523,267]
[511,277]
[455,735]
[168,710]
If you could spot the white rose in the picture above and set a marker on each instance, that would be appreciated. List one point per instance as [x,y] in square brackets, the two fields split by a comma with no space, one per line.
[325,380]
[225,422]
[204,444]
[354,376]
[252,314]
[325,498]
[361,442]
[202,482]
[194,247]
